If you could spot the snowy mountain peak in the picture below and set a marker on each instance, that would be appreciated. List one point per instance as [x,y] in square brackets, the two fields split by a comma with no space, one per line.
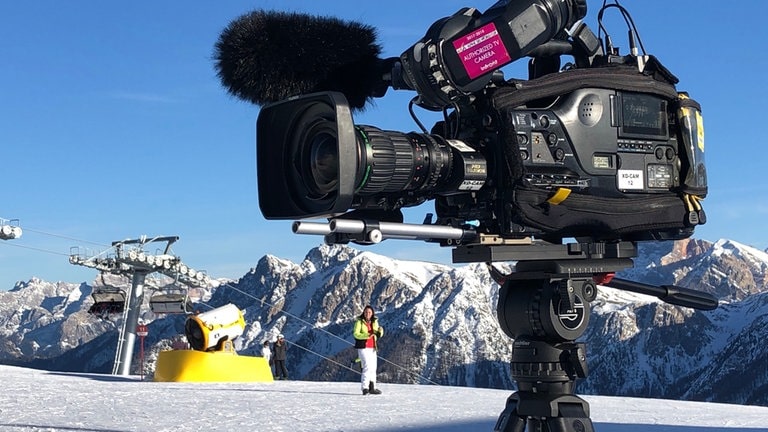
[330,255]
[743,251]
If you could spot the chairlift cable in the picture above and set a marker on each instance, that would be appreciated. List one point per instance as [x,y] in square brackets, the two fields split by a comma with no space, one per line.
[16,244]
[27,229]
[325,358]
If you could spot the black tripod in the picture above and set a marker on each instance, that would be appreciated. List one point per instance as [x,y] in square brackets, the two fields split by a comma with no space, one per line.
[544,307]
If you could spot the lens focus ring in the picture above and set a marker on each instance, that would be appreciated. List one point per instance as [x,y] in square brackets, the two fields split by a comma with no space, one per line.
[379,159]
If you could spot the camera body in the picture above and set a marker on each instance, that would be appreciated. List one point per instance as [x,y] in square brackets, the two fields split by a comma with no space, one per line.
[606,149]
[592,157]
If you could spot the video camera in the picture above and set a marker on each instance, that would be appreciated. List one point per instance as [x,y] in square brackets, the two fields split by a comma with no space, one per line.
[602,149]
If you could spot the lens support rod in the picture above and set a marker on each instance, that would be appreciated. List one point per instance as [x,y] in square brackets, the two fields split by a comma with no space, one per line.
[372,232]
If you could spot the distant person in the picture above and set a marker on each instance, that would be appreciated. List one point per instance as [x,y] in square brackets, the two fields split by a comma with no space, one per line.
[278,358]
[179,344]
[267,353]
[367,332]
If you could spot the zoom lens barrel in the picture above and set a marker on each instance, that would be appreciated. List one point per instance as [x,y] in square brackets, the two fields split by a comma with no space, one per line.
[397,162]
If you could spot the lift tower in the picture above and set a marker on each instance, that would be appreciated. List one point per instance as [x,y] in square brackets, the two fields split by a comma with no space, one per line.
[131,259]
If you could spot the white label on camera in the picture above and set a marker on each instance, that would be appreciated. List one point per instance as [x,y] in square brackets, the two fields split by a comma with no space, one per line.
[460,146]
[631,179]
[471,185]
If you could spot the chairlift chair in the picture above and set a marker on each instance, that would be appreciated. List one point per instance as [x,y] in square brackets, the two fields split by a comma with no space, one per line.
[107,301]
[171,302]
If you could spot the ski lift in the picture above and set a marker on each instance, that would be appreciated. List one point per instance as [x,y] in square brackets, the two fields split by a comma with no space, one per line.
[9,229]
[107,301]
[175,301]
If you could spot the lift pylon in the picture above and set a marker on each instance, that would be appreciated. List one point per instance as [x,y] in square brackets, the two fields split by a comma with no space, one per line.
[130,258]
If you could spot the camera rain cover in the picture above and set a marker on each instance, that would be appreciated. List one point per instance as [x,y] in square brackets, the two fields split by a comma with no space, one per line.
[605,205]
[692,137]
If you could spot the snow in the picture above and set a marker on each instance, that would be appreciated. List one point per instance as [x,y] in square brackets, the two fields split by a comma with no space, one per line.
[421,271]
[35,400]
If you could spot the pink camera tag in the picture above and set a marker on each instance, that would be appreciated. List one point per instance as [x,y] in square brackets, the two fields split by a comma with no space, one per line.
[481,51]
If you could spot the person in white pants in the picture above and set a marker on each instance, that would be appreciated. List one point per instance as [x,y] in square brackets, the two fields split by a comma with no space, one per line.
[367,332]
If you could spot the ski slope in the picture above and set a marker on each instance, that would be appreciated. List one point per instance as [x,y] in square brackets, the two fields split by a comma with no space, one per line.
[35,400]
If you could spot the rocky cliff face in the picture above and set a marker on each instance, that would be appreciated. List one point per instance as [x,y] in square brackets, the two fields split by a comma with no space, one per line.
[648,348]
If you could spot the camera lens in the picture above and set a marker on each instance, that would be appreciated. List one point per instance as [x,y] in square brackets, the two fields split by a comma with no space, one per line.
[313,161]
[324,162]
[315,156]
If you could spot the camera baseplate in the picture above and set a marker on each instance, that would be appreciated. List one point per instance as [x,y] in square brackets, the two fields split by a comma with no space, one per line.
[592,253]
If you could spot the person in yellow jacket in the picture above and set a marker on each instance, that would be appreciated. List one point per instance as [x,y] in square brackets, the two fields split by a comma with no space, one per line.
[367,332]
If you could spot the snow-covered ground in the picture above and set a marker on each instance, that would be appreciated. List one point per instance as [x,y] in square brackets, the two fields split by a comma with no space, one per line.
[34,400]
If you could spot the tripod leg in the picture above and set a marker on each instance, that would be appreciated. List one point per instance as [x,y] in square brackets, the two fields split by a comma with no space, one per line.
[573,417]
[564,413]
[509,419]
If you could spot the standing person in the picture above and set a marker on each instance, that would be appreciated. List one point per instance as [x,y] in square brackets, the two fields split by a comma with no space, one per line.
[367,332]
[267,354]
[278,358]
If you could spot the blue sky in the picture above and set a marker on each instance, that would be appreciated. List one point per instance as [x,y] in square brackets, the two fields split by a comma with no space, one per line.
[113,124]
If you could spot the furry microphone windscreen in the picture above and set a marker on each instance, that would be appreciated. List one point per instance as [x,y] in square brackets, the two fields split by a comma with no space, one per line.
[268,56]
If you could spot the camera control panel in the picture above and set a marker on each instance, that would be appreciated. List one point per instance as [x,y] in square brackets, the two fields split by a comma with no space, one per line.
[598,139]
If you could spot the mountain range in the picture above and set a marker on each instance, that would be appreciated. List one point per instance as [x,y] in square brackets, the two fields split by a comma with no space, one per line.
[440,322]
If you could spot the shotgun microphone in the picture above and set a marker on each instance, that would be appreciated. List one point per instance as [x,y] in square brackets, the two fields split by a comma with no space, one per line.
[268,56]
